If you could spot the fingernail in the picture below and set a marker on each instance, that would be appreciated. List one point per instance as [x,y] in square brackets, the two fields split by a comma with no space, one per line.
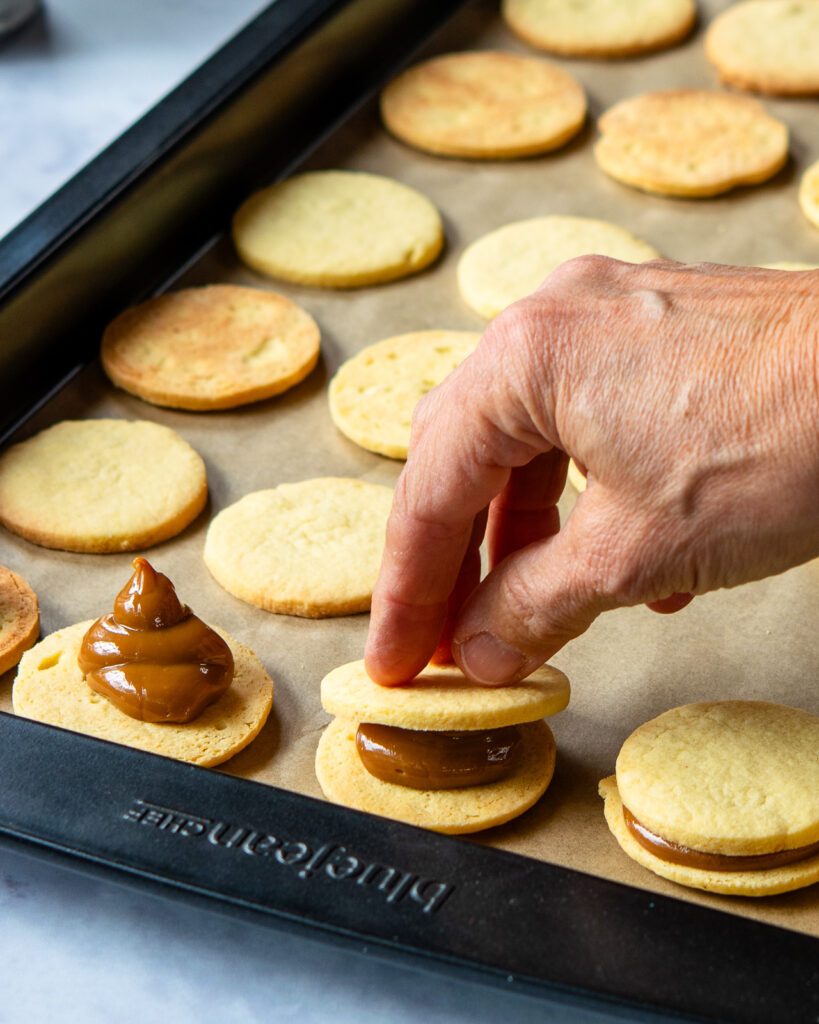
[490,661]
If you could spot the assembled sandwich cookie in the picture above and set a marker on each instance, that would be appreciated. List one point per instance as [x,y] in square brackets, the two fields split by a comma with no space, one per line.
[721,796]
[439,752]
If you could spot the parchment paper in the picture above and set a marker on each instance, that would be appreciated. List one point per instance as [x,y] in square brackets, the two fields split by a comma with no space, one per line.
[759,641]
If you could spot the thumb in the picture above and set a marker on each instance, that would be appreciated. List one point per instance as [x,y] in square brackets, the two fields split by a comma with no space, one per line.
[539,598]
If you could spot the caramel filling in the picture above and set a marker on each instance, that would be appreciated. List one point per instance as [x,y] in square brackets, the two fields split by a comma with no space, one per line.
[676,854]
[438,760]
[152,657]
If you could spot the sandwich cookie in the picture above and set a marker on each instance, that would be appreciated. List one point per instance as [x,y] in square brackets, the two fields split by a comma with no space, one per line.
[439,752]
[721,796]
[690,142]
[511,262]
[149,675]
[338,229]
[19,618]
[769,46]
[809,194]
[101,485]
[484,105]
[373,395]
[210,348]
[311,548]
[600,28]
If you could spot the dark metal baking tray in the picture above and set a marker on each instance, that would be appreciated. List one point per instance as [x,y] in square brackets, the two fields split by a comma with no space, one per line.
[114,234]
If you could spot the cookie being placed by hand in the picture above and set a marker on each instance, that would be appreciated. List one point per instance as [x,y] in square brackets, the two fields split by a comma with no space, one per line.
[511,262]
[438,752]
[600,28]
[484,105]
[101,485]
[210,348]
[690,142]
[311,548]
[373,395]
[769,46]
[19,618]
[338,229]
[721,796]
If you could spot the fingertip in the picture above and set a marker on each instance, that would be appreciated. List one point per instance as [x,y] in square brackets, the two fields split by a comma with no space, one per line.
[671,604]
[390,671]
[487,660]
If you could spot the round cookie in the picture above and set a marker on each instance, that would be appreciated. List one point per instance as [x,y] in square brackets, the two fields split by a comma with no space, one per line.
[809,194]
[51,688]
[210,348]
[311,548]
[484,105]
[600,28]
[372,396]
[101,485]
[690,142]
[730,778]
[345,780]
[441,698]
[511,262]
[576,478]
[19,618]
[769,46]
[338,229]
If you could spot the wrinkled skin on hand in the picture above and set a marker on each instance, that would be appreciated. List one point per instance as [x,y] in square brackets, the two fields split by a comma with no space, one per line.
[691,396]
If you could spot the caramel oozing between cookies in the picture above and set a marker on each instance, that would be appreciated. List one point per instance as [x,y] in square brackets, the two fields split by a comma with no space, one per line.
[438,760]
[152,658]
[673,853]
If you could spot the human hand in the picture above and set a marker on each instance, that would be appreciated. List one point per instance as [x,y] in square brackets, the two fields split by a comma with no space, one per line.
[690,394]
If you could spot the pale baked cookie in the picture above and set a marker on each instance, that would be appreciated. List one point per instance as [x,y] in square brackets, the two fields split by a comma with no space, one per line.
[484,105]
[210,348]
[440,699]
[51,688]
[345,780]
[600,28]
[769,46]
[511,262]
[338,229]
[101,485]
[19,618]
[809,193]
[372,396]
[576,478]
[730,779]
[789,265]
[690,142]
[311,548]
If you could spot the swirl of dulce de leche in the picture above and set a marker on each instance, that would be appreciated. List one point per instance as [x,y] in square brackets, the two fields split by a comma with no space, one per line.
[152,657]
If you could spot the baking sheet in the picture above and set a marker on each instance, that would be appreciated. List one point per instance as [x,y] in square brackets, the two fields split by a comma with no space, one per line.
[760,641]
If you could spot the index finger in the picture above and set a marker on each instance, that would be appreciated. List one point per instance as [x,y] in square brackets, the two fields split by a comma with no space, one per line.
[467,436]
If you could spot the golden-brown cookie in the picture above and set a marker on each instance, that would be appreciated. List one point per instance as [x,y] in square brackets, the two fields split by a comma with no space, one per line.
[600,28]
[484,105]
[690,142]
[210,348]
[769,46]
[51,688]
[373,395]
[19,618]
[338,229]
[311,548]
[345,780]
[730,779]
[511,262]
[809,194]
[101,485]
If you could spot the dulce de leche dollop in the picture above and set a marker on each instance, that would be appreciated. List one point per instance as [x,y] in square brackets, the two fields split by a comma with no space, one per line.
[438,760]
[152,657]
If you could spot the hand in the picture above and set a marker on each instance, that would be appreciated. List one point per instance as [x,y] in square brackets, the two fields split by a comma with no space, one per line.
[690,394]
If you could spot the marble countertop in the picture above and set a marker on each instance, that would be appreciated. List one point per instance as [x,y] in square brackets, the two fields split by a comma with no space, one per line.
[73,948]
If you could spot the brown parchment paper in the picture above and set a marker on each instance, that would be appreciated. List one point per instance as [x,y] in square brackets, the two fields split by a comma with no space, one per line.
[759,641]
